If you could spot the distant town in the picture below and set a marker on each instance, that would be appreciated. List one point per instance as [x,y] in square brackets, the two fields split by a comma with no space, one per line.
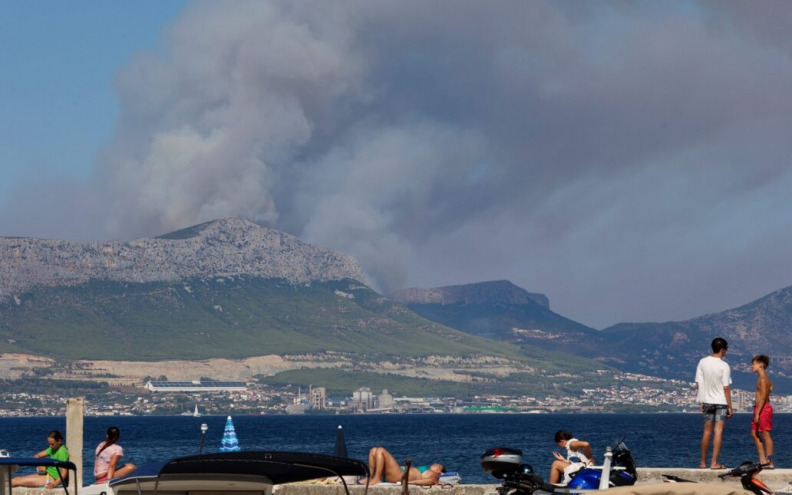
[207,397]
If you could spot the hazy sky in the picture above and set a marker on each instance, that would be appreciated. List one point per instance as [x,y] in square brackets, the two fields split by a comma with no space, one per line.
[631,160]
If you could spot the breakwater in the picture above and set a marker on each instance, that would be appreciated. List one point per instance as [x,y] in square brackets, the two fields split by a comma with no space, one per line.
[778,479]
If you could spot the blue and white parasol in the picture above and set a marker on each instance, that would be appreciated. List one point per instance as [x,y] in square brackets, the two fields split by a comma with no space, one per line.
[229,442]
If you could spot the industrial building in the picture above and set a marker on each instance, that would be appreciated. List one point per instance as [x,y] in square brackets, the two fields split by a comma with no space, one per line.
[194,386]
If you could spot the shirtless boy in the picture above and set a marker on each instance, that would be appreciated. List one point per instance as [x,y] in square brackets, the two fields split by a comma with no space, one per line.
[763,412]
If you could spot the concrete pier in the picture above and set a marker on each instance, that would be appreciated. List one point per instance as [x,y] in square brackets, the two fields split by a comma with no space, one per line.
[774,478]
[778,479]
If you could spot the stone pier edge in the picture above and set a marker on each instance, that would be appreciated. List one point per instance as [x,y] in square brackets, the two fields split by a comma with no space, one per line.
[778,479]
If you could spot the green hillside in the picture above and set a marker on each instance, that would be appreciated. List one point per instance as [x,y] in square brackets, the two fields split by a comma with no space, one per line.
[223,317]
[499,321]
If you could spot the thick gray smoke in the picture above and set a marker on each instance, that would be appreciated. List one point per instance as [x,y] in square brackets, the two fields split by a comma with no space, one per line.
[629,159]
[341,122]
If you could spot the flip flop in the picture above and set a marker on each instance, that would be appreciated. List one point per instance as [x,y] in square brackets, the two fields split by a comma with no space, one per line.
[719,466]
[705,467]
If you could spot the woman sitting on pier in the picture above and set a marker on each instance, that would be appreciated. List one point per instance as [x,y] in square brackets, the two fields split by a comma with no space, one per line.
[108,453]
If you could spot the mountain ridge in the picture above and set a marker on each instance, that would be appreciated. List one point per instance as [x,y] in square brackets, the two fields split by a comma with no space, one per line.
[219,248]
[473,293]
[498,310]
[758,327]
[669,349]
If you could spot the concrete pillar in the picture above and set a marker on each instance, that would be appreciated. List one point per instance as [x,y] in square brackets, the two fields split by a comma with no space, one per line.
[75,411]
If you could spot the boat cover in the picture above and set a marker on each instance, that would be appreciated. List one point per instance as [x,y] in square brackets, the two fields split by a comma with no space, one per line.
[38,461]
[274,467]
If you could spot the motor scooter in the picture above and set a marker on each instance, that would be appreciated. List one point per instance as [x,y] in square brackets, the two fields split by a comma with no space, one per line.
[518,478]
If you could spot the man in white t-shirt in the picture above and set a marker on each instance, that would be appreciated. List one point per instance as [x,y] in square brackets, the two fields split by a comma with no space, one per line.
[713,384]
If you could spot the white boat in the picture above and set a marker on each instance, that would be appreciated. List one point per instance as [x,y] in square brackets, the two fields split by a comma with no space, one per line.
[196,413]
[236,473]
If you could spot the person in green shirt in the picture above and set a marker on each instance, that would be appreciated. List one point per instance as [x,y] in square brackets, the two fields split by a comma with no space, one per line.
[50,478]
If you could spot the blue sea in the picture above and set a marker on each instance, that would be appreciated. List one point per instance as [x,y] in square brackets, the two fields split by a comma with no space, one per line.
[456,440]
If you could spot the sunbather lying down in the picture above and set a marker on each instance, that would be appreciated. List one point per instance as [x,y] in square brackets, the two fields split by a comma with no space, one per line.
[383,464]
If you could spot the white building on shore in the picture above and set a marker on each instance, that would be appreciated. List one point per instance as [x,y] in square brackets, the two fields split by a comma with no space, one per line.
[195,386]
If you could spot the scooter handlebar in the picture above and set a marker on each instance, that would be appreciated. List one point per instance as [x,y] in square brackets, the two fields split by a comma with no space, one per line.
[744,469]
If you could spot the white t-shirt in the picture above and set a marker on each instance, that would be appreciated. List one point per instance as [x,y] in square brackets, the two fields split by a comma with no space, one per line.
[577,458]
[712,374]
[574,456]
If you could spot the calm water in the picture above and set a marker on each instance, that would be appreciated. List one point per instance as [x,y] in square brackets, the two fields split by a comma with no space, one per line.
[456,440]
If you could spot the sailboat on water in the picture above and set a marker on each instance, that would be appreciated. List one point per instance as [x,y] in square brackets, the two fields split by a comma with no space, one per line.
[194,414]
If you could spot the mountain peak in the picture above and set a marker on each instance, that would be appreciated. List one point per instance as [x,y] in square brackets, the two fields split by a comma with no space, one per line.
[494,292]
[233,226]
[229,247]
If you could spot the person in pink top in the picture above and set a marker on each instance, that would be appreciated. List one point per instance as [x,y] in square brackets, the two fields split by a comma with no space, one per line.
[108,454]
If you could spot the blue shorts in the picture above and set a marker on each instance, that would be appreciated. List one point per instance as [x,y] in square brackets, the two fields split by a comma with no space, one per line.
[714,412]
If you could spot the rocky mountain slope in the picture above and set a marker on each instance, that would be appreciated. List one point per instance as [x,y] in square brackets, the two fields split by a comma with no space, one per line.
[215,249]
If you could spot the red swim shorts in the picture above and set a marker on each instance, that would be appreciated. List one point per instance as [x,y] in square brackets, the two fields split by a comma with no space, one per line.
[765,419]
